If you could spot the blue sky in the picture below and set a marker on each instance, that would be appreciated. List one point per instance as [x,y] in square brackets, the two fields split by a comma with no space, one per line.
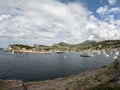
[51,21]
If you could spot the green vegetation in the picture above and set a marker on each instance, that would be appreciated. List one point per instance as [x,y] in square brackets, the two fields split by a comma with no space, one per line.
[61,46]
[64,44]
[87,45]
[47,48]
[21,46]
[106,44]
[88,42]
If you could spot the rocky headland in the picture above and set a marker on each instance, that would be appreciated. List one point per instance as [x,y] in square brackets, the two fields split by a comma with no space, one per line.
[109,75]
[108,46]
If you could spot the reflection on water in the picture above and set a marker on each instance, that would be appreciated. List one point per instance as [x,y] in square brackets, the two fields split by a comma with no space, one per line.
[35,67]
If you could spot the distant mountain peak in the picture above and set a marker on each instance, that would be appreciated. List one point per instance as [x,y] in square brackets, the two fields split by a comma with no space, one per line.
[64,44]
[88,42]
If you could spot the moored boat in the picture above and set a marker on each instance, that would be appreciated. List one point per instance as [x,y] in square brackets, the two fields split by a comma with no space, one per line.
[84,56]
[60,52]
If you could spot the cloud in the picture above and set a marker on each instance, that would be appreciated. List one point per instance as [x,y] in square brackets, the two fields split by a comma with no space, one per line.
[115,10]
[103,10]
[106,11]
[51,21]
[112,2]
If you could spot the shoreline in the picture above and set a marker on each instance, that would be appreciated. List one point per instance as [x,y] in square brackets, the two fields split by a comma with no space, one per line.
[34,52]
[30,52]
[54,51]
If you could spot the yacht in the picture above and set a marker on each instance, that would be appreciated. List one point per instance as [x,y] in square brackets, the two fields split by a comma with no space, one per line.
[59,52]
[84,55]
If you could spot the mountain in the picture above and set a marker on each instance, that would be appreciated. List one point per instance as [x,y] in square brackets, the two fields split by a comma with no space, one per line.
[88,42]
[63,44]
[106,44]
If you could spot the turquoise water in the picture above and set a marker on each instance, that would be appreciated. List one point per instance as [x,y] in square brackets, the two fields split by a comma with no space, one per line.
[36,67]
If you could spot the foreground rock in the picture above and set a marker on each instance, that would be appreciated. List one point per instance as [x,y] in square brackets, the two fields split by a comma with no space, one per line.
[107,74]
[12,85]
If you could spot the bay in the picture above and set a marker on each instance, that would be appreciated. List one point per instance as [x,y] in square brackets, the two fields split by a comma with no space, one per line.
[36,67]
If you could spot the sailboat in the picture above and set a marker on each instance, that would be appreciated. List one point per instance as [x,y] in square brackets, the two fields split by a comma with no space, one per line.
[12,52]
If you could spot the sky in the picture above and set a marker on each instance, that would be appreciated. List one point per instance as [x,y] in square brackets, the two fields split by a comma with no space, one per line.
[51,21]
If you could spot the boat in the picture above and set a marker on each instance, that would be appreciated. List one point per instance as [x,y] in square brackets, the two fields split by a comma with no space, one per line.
[117,53]
[115,57]
[65,57]
[12,52]
[107,55]
[60,52]
[84,56]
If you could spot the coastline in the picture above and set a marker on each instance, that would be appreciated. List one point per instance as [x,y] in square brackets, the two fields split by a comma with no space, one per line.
[29,51]
[103,47]
[34,52]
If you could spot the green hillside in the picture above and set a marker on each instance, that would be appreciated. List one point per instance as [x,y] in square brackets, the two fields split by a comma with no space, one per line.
[62,46]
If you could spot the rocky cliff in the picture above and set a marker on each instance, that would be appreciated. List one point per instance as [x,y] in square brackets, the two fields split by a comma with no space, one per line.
[107,74]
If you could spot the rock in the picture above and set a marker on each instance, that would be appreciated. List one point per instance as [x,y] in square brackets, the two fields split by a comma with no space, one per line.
[117,83]
[14,85]
[112,79]
[116,63]
[98,79]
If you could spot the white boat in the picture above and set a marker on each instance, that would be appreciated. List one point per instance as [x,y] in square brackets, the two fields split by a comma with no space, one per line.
[12,52]
[65,57]
[117,53]
[111,53]
[107,55]
[115,57]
